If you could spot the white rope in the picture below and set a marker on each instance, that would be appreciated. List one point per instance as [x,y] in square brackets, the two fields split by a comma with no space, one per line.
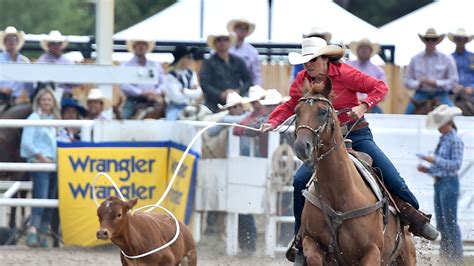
[175,174]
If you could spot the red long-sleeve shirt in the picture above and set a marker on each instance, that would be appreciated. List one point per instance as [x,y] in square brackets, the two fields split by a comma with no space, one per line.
[346,82]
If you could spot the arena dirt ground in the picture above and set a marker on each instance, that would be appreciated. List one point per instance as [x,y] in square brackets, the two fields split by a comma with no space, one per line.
[210,252]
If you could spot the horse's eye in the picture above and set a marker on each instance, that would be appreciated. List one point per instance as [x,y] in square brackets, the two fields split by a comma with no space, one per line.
[119,215]
[322,111]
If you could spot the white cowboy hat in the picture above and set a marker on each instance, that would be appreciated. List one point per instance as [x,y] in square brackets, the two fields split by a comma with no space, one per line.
[312,48]
[375,47]
[318,32]
[232,99]
[131,43]
[10,30]
[233,22]
[96,94]
[431,33]
[441,115]
[53,36]
[256,93]
[212,37]
[273,97]
[461,32]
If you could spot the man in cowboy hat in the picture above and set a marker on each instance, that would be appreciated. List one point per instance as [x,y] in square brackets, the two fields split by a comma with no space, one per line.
[223,72]
[444,166]
[244,28]
[431,74]
[11,42]
[141,96]
[464,91]
[53,46]
[96,104]
[364,50]
[313,32]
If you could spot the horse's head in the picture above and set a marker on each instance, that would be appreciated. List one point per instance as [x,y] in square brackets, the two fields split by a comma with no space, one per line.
[315,121]
[112,215]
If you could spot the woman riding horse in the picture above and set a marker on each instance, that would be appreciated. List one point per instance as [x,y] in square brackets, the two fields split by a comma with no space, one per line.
[319,59]
[344,222]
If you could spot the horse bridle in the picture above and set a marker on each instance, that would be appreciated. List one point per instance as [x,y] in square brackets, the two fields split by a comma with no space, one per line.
[317,141]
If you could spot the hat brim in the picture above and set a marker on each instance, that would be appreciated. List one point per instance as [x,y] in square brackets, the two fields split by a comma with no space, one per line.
[105,102]
[44,44]
[354,47]
[432,124]
[211,39]
[231,26]
[82,111]
[334,51]
[20,35]
[131,43]
[440,38]
[452,35]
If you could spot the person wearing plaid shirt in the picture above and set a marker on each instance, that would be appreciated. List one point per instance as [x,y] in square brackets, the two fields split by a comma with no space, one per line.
[445,164]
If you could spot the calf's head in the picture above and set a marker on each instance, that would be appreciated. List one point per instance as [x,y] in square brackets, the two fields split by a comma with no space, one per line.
[113,217]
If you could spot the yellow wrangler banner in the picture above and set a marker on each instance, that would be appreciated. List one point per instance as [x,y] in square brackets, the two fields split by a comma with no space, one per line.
[140,169]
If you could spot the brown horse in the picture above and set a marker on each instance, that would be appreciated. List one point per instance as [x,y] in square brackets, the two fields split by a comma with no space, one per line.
[348,226]
[10,145]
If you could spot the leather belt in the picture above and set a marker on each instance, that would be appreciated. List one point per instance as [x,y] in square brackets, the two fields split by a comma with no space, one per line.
[360,125]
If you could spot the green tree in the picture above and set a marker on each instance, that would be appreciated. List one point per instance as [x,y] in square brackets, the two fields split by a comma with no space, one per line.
[380,12]
[72,17]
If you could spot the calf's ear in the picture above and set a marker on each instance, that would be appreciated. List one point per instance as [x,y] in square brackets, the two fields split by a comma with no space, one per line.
[131,203]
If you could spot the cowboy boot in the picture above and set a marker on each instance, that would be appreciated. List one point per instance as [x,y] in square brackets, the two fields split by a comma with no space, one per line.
[418,221]
[293,248]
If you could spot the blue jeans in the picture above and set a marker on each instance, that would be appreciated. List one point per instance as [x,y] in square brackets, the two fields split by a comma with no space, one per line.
[45,186]
[362,140]
[424,95]
[173,109]
[128,108]
[446,207]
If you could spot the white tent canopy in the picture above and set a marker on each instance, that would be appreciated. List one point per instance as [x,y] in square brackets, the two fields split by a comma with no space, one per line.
[181,21]
[293,18]
[444,16]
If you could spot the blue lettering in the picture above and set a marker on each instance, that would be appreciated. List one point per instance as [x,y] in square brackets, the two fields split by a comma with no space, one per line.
[102,192]
[79,162]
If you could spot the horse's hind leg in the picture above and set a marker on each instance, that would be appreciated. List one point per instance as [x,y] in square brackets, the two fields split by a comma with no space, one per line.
[408,253]
[312,252]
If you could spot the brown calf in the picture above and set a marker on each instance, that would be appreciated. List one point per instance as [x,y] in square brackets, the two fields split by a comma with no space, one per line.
[141,232]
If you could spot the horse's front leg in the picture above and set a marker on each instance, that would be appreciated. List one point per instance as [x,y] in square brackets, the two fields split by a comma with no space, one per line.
[372,256]
[312,252]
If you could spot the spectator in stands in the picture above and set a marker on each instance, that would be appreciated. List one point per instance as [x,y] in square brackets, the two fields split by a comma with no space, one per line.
[11,42]
[223,72]
[364,50]
[142,96]
[314,32]
[464,91]
[445,164]
[53,45]
[70,110]
[96,104]
[38,145]
[235,112]
[431,73]
[181,86]
[242,29]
